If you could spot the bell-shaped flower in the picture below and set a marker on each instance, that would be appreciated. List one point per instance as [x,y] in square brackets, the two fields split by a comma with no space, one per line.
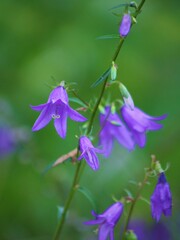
[139,123]
[88,152]
[57,108]
[161,199]
[107,220]
[113,128]
[125,25]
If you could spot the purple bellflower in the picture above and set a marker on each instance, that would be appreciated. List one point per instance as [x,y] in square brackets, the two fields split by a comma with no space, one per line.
[113,128]
[139,123]
[107,220]
[57,108]
[161,199]
[125,25]
[7,141]
[88,152]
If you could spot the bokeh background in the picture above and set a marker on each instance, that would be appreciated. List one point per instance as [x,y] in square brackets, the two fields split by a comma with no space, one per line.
[46,41]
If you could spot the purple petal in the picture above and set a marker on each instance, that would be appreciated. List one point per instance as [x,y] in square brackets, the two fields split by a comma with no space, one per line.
[111,235]
[92,160]
[157,118]
[140,138]
[61,124]
[74,115]
[104,231]
[124,138]
[93,222]
[39,107]
[153,126]
[58,93]
[106,142]
[44,118]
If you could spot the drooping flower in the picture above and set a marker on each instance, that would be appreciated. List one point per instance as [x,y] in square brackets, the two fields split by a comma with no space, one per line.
[139,123]
[107,220]
[88,152]
[125,25]
[161,199]
[11,138]
[112,128]
[7,141]
[57,108]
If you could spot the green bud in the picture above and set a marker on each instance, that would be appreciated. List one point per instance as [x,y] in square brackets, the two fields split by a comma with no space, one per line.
[124,91]
[113,71]
[158,167]
[62,83]
[130,235]
[113,108]
[101,109]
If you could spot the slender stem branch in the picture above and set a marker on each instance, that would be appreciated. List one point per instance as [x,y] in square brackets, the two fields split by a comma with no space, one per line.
[134,203]
[68,202]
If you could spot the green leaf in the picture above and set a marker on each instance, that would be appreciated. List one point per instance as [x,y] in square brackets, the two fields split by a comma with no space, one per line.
[102,78]
[76,100]
[128,193]
[109,36]
[120,5]
[145,200]
[89,196]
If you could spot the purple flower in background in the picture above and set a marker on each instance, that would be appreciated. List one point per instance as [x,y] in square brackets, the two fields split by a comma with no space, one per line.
[11,138]
[107,220]
[113,128]
[139,123]
[57,107]
[7,141]
[125,25]
[146,231]
[161,199]
[88,152]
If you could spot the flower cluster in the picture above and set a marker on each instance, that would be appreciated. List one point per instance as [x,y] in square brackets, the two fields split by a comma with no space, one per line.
[128,127]
[137,123]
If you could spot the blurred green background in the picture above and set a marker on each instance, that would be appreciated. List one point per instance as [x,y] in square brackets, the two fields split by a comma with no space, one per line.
[44,40]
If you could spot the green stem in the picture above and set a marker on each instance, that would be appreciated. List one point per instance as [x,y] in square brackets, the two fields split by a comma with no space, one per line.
[133,204]
[68,202]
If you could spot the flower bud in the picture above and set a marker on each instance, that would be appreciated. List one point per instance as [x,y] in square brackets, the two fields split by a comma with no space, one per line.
[125,25]
[113,71]
[130,235]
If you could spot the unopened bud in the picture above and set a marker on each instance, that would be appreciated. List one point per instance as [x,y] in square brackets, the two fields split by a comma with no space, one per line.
[157,167]
[130,235]
[125,25]
[101,109]
[113,108]
[126,97]
[113,71]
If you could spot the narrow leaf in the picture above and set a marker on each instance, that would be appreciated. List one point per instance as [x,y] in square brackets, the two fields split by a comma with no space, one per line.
[78,101]
[102,78]
[145,200]
[109,36]
[128,193]
[89,196]
[120,5]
